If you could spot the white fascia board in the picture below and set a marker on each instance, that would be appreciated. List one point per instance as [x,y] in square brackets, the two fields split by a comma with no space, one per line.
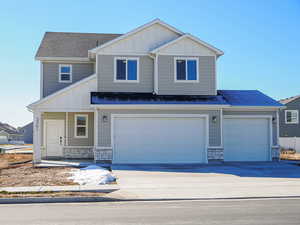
[214,49]
[55,94]
[156,21]
[158,106]
[254,108]
[74,59]
[65,110]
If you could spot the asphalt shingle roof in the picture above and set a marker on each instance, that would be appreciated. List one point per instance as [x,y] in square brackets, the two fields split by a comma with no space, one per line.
[64,44]
[288,100]
[8,129]
[248,98]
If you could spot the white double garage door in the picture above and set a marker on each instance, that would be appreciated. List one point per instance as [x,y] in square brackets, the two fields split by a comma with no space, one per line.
[184,138]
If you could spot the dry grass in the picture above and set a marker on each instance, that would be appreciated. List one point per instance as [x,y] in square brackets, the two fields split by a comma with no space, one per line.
[289,155]
[50,194]
[27,175]
[14,158]
[24,174]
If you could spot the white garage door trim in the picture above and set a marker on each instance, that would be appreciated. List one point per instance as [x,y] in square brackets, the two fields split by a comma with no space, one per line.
[269,117]
[205,116]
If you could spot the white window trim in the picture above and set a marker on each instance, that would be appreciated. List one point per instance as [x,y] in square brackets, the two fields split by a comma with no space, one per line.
[137,69]
[291,111]
[175,69]
[86,125]
[59,72]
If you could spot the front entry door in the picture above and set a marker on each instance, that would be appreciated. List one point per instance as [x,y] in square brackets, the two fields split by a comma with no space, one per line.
[54,131]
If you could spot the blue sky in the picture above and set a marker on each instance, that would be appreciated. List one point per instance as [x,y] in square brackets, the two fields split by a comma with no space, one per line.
[261,40]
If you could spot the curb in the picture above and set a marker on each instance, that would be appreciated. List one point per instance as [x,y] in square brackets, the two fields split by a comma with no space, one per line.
[75,188]
[54,200]
[106,199]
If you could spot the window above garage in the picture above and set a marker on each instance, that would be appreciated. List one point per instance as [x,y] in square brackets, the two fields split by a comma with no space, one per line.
[186,69]
[126,69]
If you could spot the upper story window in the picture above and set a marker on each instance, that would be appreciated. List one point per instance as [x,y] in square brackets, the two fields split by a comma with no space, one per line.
[81,126]
[126,69]
[291,116]
[186,69]
[65,73]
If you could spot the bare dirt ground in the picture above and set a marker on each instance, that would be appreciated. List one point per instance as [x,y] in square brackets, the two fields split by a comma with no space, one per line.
[7,159]
[24,174]
[27,175]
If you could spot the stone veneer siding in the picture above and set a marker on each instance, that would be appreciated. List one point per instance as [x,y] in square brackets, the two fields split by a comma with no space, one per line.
[78,153]
[103,154]
[215,154]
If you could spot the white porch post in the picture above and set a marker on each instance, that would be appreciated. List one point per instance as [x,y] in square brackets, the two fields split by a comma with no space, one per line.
[37,156]
[96,127]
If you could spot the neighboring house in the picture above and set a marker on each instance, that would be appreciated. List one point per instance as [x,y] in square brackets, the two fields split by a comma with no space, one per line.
[27,132]
[147,96]
[10,135]
[289,123]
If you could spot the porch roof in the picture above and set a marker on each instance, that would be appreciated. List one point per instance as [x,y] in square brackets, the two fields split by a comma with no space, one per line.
[149,98]
[224,97]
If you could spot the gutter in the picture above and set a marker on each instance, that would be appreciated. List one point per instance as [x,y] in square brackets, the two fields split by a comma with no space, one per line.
[157,106]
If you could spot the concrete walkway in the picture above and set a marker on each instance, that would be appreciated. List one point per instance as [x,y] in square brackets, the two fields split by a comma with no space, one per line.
[69,163]
[208,181]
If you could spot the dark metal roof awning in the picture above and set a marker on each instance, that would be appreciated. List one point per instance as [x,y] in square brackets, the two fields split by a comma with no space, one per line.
[105,98]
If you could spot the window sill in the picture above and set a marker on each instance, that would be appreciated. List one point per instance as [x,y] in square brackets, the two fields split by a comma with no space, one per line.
[186,81]
[126,81]
[64,81]
[81,137]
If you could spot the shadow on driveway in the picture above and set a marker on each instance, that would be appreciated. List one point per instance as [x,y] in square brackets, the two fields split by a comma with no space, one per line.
[283,169]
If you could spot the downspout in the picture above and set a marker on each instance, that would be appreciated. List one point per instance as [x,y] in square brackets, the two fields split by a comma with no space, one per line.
[155,77]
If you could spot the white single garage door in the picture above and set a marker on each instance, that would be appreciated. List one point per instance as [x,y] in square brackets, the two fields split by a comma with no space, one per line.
[246,139]
[159,139]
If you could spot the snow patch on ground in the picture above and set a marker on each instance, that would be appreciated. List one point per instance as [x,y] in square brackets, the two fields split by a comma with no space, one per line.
[92,175]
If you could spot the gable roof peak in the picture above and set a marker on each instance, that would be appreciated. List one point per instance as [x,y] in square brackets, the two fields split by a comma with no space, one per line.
[217,51]
[136,30]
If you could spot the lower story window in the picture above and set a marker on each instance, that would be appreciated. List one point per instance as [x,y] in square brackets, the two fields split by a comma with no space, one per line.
[81,126]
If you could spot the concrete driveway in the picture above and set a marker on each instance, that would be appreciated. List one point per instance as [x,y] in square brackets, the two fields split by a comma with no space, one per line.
[228,180]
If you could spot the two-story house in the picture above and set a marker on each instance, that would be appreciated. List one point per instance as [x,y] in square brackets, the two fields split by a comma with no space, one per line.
[147,96]
[289,135]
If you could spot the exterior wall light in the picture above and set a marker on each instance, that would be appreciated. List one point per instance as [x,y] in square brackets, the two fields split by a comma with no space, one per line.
[274,119]
[104,119]
[214,119]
